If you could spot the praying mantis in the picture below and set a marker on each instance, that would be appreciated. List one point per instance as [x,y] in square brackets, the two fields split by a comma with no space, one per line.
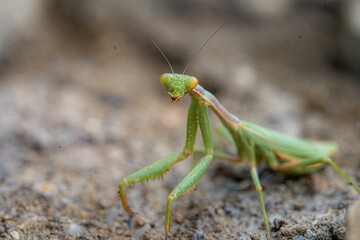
[281,152]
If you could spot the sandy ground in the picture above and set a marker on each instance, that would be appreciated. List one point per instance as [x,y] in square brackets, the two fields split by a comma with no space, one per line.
[77,116]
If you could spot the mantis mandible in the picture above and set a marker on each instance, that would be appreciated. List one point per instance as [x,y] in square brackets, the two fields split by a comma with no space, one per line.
[281,152]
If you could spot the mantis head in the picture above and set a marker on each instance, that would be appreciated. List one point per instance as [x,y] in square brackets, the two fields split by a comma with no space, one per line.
[178,84]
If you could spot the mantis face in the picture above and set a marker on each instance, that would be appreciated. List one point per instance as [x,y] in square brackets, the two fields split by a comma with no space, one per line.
[178,84]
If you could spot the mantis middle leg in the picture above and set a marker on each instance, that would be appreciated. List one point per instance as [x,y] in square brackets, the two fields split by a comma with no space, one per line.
[218,154]
[251,156]
[221,131]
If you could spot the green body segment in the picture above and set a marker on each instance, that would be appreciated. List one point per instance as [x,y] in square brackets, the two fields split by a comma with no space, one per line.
[268,138]
[293,146]
[281,152]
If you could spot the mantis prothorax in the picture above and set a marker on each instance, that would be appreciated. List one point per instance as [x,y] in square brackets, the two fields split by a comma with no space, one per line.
[281,152]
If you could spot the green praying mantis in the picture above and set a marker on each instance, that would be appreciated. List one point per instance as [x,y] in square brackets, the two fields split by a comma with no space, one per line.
[281,152]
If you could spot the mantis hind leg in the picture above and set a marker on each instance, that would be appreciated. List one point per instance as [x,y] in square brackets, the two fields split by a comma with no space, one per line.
[307,166]
[251,156]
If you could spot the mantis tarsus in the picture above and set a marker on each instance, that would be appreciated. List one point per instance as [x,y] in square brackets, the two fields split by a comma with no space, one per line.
[281,152]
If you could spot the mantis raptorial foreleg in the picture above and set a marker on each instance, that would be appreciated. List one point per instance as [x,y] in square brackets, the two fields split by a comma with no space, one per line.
[198,170]
[186,183]
[158,168]
[152,171]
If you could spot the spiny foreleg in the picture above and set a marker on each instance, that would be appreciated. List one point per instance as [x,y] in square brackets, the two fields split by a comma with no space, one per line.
[198,171]
[158,168]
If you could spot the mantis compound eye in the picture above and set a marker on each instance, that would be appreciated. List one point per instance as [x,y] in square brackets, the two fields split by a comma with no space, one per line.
[191,83]
[164,79]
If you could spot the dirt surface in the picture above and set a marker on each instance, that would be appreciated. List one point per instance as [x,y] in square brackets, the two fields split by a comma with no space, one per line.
[80,110]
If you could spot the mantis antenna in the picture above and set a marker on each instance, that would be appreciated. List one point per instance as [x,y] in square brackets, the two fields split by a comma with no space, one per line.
[192,58]
[158,48]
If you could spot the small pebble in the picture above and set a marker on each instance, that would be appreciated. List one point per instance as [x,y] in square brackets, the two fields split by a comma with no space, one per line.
[298,206]
[15,235]
[74,229]
[278,223]
[292,230]
[139,221]
[255,236]
[83,238]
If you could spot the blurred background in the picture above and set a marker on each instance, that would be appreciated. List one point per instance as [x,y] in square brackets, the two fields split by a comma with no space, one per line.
[82,107]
